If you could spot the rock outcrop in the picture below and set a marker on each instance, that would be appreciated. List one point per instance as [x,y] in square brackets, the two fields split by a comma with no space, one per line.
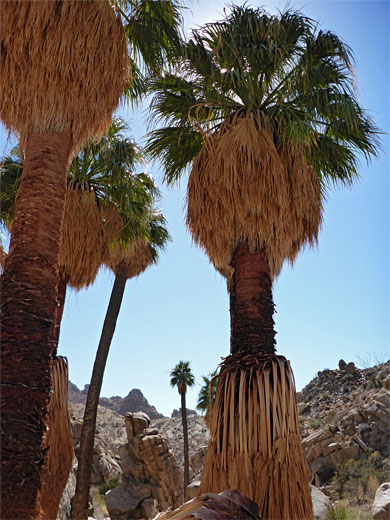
[198,438]
[177,413]
[151,479]
[135,401]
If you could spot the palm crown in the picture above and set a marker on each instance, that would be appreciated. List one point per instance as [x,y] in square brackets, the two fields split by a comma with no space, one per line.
[181,376]
[267,104]
[106,201]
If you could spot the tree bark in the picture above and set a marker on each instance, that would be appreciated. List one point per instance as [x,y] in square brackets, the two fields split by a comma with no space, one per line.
[29,305]
[85,455]
[185,439]
[62,284]
[251,303]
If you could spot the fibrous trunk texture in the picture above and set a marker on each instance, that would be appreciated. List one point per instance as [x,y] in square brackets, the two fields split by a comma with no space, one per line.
[29,306]
[251,303]
[58,442]
[85,455]
[61,295]
[255,444]
[185,439]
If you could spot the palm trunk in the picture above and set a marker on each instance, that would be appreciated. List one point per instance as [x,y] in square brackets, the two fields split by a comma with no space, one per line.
[251,303]
[62,284]
[85,454]
[185,438]
[29,305]
[255,443]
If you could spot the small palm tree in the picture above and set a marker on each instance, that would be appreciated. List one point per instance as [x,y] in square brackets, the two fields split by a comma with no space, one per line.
[182,377]
[207,395]
[126,260]
[263,110]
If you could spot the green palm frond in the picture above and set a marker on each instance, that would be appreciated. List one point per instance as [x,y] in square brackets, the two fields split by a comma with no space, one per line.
[182,376]
[205,391]
[283,67]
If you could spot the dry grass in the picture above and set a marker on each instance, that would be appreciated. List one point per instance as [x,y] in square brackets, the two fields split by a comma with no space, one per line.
[59,442]
[63,67]
[255,444]
[243,187]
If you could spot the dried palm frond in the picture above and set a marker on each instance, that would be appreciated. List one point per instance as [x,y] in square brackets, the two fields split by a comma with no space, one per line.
[243,188]
[229,504]
[132,259]
[255,444]
[58,441]
[63,67]
[86,235]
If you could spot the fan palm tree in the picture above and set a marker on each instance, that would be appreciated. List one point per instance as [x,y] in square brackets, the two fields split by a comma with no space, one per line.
[182,377]
[263,110]
[207,395]
[63,68]
[105,199]
[126,261]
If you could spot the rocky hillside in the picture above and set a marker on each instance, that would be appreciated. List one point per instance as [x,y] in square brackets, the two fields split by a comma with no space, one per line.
[135,401]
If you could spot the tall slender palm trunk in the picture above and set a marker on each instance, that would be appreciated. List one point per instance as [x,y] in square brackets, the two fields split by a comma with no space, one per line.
[29,305]
[85,454]
[185,439]
[255,443]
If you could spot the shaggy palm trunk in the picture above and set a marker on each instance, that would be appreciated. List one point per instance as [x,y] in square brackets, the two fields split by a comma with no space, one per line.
[29,305]
[185,439]
[85,454]
[255,443]
[62,284]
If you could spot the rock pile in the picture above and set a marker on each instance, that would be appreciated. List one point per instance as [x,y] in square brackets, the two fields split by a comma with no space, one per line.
[151,479]
[346,408]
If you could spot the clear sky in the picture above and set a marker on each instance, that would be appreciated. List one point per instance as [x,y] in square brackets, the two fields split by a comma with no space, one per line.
[334,302]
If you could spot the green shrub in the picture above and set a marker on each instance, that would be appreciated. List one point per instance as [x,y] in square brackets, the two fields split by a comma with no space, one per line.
[354,476]
[106,486]
[342,513]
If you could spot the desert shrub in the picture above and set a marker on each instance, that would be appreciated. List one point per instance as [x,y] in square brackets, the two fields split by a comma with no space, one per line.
[111,484]
[341,513]
[357,478]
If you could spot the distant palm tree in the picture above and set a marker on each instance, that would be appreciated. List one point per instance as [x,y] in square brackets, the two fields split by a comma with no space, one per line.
[126,261]
[207,395]
[64,66]
[263,110]
[182,377]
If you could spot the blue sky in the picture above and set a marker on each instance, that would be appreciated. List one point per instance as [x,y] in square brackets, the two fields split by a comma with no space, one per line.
[334,302]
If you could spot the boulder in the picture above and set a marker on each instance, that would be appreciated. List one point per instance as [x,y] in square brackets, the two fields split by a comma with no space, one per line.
[321,504]
[136,423]
[381,506]
[342,364]
[151,479]
[192,489]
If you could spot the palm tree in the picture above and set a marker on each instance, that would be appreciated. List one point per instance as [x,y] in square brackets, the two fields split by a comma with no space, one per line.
[207,395]
[103,194]
[263,110]
[126,261]
[63,68]
[181,376]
